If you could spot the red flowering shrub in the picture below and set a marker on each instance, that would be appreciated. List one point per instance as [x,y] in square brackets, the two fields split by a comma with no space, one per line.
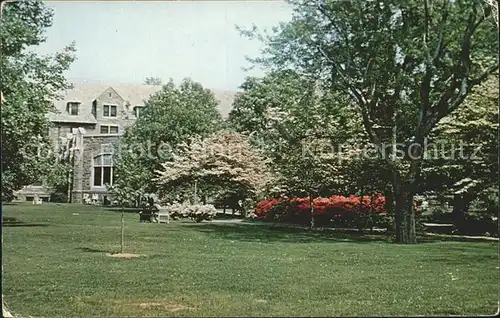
[263,207]
[351,211]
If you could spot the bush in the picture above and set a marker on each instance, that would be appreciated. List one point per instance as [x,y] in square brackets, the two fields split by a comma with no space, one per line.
[338,211]
[59,197]
[196,212]
[438,215]
[480,224]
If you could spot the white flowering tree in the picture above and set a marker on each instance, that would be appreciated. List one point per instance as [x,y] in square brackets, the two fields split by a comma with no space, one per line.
[223,163]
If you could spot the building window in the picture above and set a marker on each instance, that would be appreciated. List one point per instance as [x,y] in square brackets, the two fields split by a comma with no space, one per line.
[103,170]
[109,110]
[137,111]
[73,108]
[106,130]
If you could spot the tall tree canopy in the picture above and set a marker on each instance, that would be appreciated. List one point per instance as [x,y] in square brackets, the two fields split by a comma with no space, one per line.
[171,116]
[463,151]
[304,130]
[29,84]
[405,64]
[152,81]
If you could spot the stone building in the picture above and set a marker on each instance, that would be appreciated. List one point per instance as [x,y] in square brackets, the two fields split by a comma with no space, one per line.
[101,113]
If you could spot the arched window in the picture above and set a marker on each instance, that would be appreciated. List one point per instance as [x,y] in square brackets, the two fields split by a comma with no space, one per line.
[103,170]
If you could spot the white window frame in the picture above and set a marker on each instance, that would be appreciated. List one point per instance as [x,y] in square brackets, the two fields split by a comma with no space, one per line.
[137,111]
[109,130]
[110,106]
[102,166]
[70,108]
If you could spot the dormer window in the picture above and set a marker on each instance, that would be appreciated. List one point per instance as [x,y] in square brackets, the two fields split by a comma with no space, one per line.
[137,111]
[109,111]
[73,108]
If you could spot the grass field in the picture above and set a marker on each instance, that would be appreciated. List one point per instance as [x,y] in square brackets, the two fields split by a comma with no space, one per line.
[55,264]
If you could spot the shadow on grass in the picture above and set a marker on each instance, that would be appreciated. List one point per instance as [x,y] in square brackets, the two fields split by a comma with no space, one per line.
[268,233]
[91,250]
[126,210]
[227,216]
[424,238]
[15,222]
[271,233]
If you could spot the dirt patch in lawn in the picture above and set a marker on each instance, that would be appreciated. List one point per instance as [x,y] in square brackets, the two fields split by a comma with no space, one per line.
[123,255]
[172,307]
[122,306]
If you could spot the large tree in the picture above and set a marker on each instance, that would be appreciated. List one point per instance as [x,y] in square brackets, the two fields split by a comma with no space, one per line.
[304,130]
[405,64]
[283,110]
[225,164]
[29,84]
[171,116]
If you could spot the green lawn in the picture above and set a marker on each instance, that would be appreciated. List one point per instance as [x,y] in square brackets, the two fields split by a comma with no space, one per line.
[55,264]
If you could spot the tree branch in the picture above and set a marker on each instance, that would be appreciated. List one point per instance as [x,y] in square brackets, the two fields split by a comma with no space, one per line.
[426,29]
[352,90]
[440,46]
[478,80]
[451,99]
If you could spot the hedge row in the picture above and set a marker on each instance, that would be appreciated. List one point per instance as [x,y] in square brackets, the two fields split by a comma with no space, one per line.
[338,211]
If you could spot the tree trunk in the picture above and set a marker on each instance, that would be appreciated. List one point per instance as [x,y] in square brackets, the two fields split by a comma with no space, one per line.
[405,218]
[389,201]
[311,204]
[370,212]
[404,191]
[68,194]
[195,199]
[123,232]
[461,204]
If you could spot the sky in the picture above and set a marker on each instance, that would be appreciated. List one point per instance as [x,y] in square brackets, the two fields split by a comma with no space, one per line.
[125,42]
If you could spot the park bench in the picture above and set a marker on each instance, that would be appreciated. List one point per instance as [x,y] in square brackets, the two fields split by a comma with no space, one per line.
[438,228]
[155,214]
[37,200]
[148,213]
[145,216]
[162,216]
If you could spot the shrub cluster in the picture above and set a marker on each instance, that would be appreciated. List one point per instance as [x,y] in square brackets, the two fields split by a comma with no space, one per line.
[195,212]
[337,211]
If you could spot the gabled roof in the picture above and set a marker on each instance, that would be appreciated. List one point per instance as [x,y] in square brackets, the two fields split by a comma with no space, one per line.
[86,92]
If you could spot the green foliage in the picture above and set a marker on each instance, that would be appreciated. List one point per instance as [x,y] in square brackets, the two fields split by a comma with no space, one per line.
[152,81]
[405,64]
[125,196]
[468,160]
[300,126]
[59,196]
[171,116]
[29,83]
